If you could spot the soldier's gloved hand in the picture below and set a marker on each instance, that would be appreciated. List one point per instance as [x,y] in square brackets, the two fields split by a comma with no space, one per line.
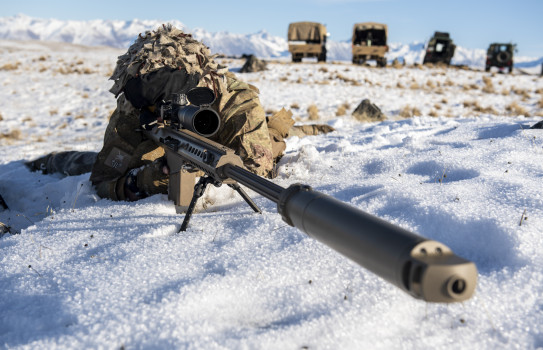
[147,180]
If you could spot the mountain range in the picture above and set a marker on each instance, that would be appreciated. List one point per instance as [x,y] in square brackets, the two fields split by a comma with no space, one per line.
[121,34]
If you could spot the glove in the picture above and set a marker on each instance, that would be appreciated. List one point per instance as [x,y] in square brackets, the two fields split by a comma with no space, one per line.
[147,180]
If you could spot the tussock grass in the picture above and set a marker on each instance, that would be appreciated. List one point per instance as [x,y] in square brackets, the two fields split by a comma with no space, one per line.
[469,87]
[342,109]
[515,109]
[14,134]
[476,107]
[313,112]
[489,86]
[409,112]
[10,66]
[414,86]
[353,82]
[295,106]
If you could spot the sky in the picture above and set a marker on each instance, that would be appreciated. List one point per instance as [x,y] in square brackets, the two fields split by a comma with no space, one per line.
[471,23]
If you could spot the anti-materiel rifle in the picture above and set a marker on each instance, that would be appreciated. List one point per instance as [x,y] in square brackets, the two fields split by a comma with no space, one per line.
[425,269]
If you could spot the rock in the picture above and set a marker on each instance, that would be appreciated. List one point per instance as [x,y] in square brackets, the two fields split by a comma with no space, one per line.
[253,64]
[368,112]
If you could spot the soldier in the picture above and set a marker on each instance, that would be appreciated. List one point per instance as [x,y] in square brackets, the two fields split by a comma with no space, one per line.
[159,63]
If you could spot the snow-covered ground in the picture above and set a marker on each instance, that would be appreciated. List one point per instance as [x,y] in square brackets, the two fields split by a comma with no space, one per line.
[455,161]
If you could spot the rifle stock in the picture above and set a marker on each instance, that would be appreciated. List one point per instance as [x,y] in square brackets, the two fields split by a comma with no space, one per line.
[425,269]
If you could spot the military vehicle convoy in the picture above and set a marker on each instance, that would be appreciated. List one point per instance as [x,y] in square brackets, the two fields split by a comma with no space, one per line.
[369,42]
[500,55]
[307,39]
[440,49]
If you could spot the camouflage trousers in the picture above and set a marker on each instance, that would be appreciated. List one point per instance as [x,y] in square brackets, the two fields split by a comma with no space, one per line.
[68,163]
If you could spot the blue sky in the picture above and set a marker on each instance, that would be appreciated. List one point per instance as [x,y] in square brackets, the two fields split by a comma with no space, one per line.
[472,24]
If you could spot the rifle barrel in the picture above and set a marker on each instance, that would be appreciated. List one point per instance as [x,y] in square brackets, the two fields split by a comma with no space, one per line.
[424,268]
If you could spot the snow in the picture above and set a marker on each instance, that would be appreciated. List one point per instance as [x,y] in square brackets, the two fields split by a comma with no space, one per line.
[84,272]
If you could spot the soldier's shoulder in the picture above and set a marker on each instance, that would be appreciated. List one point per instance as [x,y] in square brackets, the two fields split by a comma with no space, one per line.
[234,84]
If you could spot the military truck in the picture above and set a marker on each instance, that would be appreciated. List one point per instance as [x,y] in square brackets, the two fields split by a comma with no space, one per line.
[440,49]
[500,55]
[307,39]
[369,42]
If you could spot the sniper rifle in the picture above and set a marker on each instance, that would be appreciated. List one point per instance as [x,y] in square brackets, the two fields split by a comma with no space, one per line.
[426,269]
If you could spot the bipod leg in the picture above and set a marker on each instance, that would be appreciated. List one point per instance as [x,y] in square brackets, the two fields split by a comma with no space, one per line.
[199,189]
[245,196]
[3,203]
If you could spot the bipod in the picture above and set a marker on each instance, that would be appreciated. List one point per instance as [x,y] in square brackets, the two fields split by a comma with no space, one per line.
[245,196]
[199,190]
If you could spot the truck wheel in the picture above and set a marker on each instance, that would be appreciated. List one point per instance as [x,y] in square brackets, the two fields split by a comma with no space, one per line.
[487,68]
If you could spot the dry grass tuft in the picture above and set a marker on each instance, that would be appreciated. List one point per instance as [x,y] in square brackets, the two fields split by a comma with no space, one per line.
[12,135]
[489,87]
[10,66]
[539,103]
[414,86]
[430,84]
[313,112]
[476,107]
[295,106]
[1,118]
[342,110]
[515,109]
[525,93]
[410,112]
[470,87]
[74,68]
[348,80]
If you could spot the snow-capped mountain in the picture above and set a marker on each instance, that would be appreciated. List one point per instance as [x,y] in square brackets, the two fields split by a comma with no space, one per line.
[121,34]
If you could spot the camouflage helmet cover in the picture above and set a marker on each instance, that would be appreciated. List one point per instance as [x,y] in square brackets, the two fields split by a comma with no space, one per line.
[166,46]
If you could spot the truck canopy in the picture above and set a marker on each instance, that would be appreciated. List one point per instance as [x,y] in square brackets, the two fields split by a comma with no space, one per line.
[306,31]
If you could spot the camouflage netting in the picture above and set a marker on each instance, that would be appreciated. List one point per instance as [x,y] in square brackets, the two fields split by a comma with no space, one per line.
[167,47]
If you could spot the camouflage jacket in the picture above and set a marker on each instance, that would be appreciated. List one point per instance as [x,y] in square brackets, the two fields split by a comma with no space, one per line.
[243,129]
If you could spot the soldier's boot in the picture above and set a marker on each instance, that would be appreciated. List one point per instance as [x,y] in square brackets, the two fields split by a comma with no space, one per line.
[68,163]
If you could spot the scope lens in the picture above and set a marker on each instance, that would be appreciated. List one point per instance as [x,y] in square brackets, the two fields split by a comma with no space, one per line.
[206,123]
